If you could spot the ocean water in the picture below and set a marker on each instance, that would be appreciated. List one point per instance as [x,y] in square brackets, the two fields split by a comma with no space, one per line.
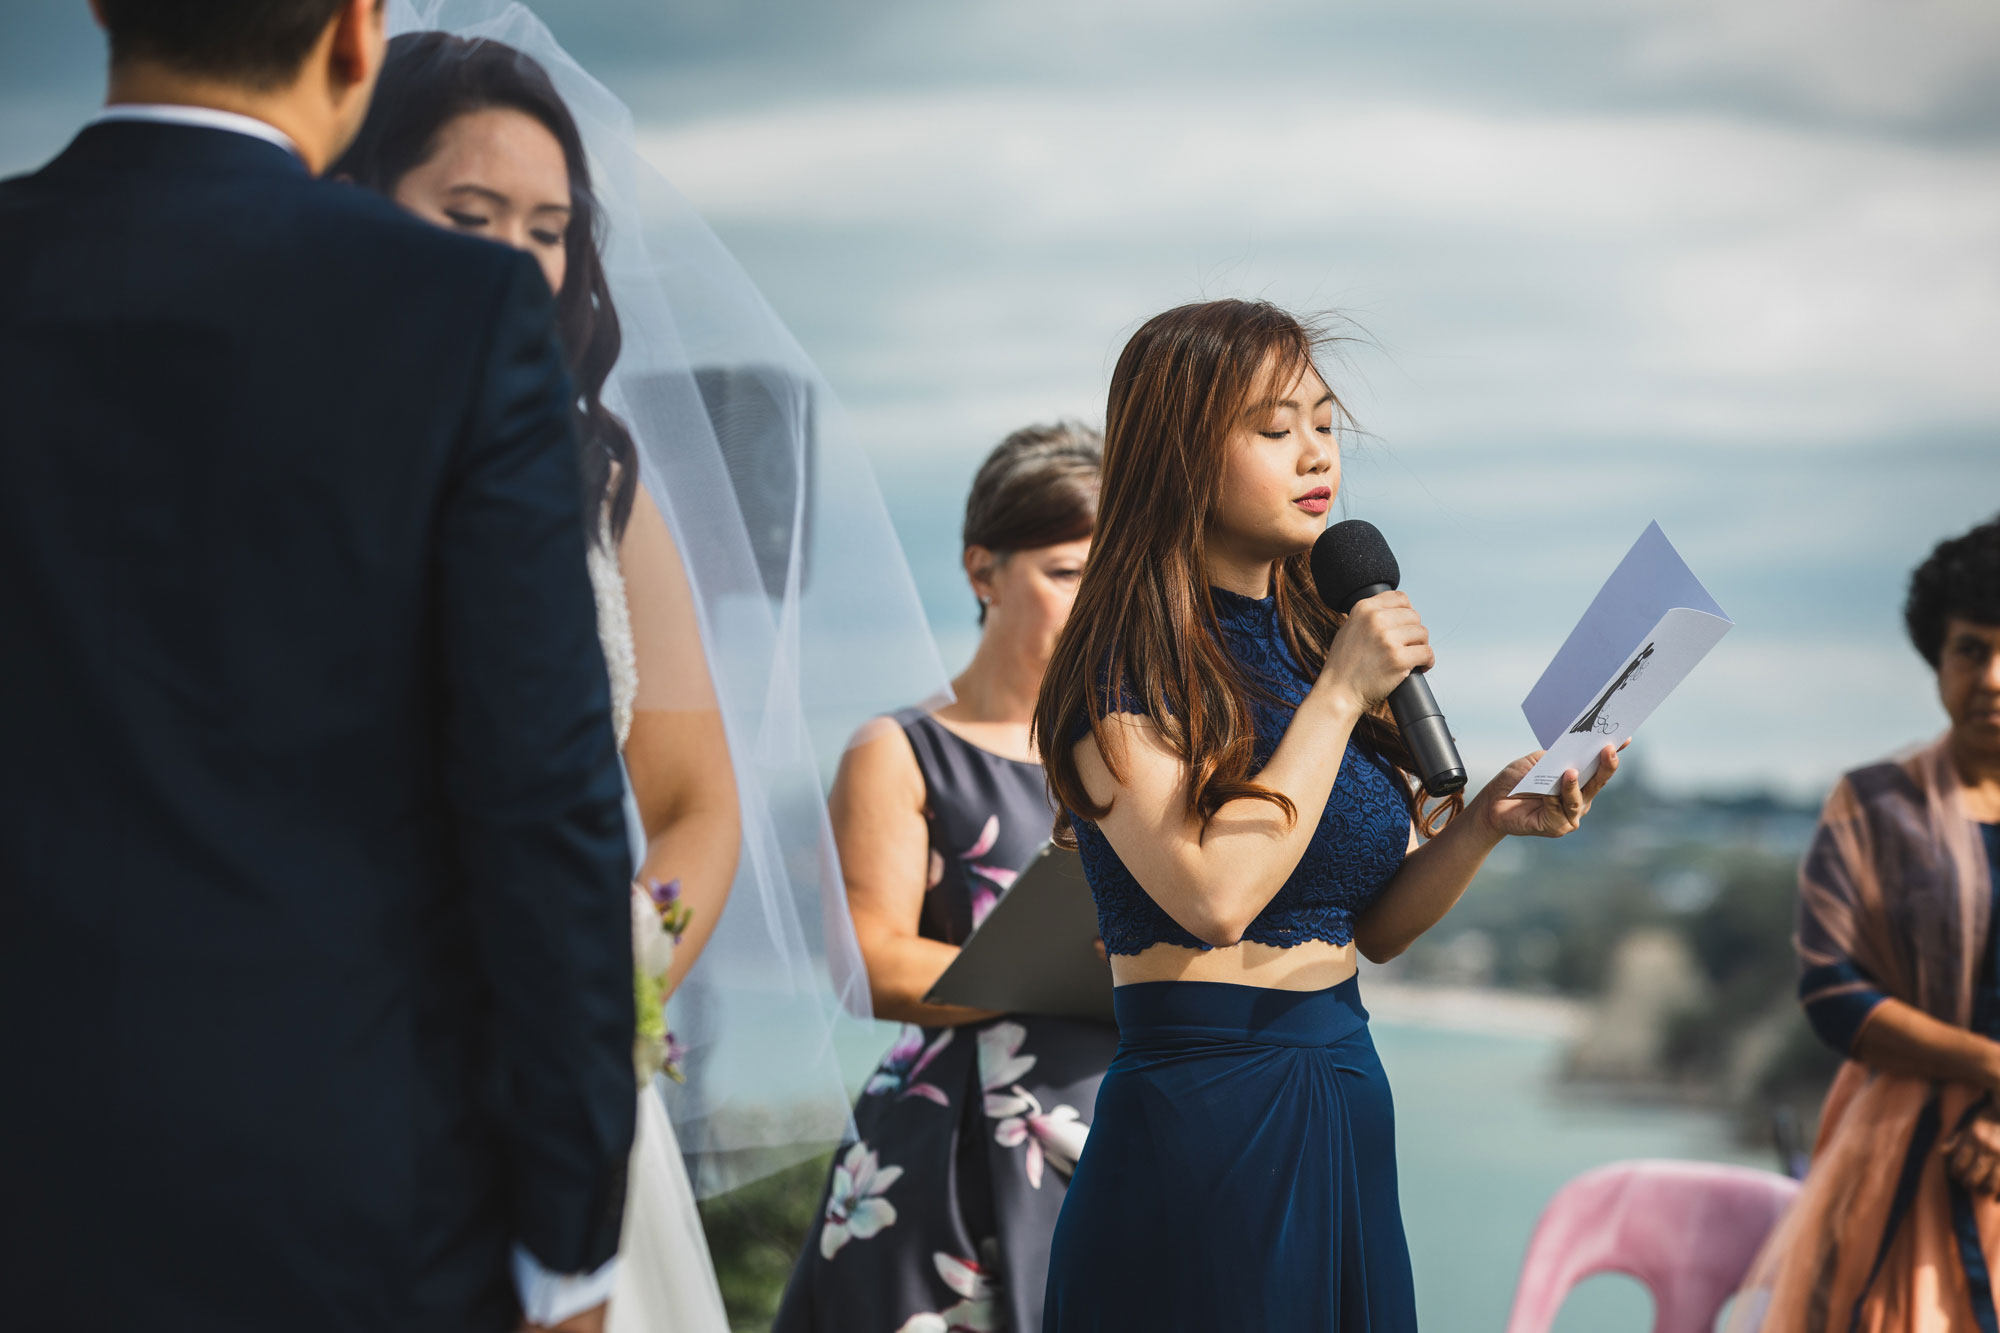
[1485,1137]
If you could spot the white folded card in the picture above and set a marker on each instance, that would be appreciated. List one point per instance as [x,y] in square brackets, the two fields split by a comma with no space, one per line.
[1648,626]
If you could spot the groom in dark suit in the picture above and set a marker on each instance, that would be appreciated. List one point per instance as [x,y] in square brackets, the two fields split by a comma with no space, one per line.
[315,963]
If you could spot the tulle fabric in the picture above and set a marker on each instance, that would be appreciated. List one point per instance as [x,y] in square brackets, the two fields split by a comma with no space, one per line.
[666,1283]
[802,608]
[1896,883]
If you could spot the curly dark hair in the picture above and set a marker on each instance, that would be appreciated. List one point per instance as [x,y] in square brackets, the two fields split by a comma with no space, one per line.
[1960,578]
[431,79]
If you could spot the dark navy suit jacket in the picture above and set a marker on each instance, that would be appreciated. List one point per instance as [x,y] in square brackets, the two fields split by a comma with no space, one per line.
[315,962]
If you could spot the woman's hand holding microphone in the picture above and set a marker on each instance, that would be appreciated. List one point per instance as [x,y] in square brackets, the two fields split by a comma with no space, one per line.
[1382,642]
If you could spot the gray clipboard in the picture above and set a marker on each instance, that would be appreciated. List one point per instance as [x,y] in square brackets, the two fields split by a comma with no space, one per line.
[1036,952]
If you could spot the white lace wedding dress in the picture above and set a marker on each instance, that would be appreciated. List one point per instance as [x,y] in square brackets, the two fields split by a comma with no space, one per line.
[666,1280]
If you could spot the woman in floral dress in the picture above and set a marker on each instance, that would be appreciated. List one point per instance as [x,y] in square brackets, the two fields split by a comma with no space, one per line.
[938,1217]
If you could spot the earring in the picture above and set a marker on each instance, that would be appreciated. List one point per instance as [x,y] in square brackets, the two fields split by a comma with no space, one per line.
[985,600]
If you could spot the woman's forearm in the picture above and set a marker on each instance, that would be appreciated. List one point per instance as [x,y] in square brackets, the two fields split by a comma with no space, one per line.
[901,971]
[1432,880]
[698,845]
[684,784]
[1898,1038]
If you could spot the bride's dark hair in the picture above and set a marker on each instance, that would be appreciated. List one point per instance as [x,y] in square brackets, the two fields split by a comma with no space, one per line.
[431,79]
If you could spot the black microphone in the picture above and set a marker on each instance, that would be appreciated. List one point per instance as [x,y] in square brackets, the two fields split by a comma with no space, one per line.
[1351,562]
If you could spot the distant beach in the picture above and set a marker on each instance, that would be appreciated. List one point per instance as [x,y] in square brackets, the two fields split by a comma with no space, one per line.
[1478,1010]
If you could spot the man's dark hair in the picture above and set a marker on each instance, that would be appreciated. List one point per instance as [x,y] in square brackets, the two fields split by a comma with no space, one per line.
[1960,578]
[261,43]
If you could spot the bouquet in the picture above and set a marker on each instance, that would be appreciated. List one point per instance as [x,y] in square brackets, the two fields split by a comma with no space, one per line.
[659,919]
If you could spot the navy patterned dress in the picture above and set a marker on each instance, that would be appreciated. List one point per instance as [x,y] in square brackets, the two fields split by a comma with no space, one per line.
[938,1218]
[1242,1172]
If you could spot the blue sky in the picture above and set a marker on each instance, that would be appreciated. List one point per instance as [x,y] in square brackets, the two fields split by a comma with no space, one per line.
[1732,266]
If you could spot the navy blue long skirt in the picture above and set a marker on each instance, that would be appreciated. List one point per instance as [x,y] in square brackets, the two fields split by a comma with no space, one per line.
[1240,1172]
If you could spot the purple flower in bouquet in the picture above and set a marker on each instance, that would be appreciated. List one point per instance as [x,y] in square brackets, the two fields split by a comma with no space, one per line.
[659,918]
[670,1060]
[674,914]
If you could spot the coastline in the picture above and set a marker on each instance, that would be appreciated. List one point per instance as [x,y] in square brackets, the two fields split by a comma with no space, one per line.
[1480,1010]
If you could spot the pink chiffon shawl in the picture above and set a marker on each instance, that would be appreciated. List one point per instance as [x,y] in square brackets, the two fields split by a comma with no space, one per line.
[1896,883]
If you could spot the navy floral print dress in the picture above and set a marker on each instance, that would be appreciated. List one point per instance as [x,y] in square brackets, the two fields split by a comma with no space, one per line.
[937,1219]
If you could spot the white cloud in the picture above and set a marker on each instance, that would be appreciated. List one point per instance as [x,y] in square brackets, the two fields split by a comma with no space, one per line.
[1898,61]
[1900,280]
[1024,162]
[1587,273]
[1593,312]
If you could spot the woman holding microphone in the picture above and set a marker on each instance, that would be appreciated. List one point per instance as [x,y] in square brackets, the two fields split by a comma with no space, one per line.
[1248,819]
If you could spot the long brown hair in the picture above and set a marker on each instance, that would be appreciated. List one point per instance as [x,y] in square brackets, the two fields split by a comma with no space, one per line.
[1143,625]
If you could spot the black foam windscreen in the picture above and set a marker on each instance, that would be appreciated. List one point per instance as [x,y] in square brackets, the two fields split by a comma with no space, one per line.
[1348,557]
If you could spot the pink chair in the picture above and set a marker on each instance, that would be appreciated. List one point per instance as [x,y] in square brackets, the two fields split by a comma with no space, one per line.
[1688,1230]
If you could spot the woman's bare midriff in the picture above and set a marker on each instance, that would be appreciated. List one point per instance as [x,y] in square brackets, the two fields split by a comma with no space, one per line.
[1314,965]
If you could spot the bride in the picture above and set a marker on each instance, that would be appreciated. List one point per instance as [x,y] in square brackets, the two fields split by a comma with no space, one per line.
[704,439]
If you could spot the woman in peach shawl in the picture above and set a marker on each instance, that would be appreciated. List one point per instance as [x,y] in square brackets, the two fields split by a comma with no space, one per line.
[1897,1229]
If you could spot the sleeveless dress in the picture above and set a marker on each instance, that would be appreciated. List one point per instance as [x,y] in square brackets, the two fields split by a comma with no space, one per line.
[938,1216]
[1242,1169]
[665,1281]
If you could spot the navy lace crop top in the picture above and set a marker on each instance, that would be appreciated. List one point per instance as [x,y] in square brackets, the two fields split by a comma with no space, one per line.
[1359,844]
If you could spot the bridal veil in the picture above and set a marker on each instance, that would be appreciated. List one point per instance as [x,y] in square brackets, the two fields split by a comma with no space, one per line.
[809,625]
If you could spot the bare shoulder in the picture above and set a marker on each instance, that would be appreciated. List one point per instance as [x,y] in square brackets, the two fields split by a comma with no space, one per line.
[1133,755]
[646,530]
[650,560]
[879,769]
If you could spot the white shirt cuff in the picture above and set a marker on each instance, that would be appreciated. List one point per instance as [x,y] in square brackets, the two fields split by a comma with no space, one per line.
[549,1298]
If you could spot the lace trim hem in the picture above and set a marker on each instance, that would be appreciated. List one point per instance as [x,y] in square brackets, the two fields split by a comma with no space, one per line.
[1336,932]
